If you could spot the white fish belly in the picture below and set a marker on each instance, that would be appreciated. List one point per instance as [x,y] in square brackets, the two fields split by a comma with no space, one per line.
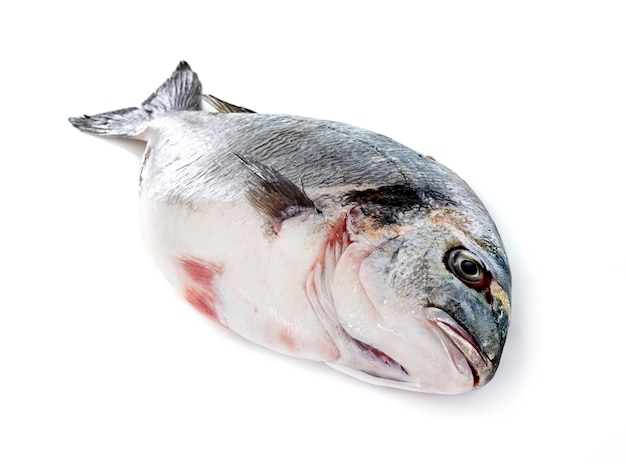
[225,262]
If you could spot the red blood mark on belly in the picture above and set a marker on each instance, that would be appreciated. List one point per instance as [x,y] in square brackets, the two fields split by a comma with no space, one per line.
[204,301]
[202,289]
[287,340]
[201,272]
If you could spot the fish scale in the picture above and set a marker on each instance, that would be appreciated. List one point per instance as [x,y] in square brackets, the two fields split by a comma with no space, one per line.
[319,239]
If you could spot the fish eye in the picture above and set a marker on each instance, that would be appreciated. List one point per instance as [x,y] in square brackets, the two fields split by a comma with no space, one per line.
[467,268]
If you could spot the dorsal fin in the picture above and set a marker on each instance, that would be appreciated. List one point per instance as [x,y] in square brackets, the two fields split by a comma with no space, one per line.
[225,107]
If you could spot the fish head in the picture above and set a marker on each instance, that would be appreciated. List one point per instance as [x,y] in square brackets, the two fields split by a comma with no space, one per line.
[424,299]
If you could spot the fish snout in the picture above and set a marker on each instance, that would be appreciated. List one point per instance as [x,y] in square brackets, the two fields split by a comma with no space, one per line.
[501,303]
[458,340]
[501,313]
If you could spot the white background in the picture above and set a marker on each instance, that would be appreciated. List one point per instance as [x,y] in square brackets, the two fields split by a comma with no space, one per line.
[100,361]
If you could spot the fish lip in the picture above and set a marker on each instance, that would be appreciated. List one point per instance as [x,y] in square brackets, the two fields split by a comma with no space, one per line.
[481,366]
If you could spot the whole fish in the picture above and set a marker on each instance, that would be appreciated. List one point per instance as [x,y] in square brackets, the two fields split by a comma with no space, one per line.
[319,239]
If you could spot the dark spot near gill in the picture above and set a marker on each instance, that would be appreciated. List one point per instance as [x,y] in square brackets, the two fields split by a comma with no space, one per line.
[402,196]
[385,204]
[390,195]
[380,356]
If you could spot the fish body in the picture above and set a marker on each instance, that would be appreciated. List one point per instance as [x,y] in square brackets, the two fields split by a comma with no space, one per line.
[319,239]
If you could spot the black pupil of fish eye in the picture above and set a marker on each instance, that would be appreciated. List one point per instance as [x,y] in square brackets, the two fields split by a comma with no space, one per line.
[469,267]
[465,266]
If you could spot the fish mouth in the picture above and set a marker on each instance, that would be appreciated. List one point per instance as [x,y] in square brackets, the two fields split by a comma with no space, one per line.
[481,366]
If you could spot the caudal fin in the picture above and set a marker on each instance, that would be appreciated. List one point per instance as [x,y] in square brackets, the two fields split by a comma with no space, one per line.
[182,91]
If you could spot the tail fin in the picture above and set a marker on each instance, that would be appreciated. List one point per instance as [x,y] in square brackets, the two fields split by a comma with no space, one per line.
[182,91]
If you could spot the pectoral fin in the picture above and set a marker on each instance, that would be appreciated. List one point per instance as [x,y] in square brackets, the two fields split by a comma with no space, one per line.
[273,195]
